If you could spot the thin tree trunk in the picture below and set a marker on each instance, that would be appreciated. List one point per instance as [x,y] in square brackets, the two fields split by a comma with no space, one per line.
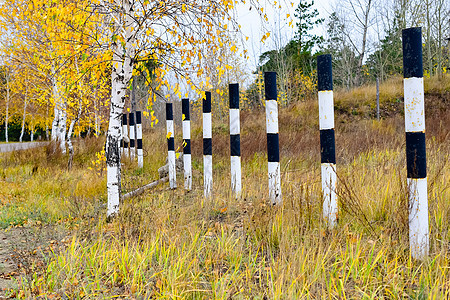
[133,97]
[46,124]
[32,134]
[23,120]
[62,127]
[364,42]
[97,129]
[439,38]
[56,109]
[7,106]
[74,121]
[55,123]
[69,136]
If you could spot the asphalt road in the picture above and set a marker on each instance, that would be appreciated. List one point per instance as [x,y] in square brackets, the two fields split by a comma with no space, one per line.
[20,146]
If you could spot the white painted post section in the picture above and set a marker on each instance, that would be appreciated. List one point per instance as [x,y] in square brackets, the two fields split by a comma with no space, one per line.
[207,146]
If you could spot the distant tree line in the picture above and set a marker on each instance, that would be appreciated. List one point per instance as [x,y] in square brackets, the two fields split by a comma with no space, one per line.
[364,39]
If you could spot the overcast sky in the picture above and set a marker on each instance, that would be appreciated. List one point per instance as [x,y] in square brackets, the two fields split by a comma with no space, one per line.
[277,26]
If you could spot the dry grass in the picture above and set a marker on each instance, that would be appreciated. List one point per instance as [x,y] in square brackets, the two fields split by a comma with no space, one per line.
[361,102]
[171,244]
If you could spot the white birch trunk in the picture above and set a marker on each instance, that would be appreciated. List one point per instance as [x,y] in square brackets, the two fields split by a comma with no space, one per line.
[120,76]
[97,129]
[46,124]
[23,120]
[59,123]
[75,120]
[62,125]
[69,142]
[69,134]
[56,110]
[7,107]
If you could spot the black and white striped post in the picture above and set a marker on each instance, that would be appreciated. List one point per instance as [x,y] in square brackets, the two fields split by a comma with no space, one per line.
[327,139]
[273,148]
[415,142]
[187,163]
[235,139]
[132,137]
[125,135]
[207,146]
[171,146]
[140,152]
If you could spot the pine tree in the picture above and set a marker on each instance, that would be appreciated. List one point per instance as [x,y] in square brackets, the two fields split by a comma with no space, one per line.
[308,18]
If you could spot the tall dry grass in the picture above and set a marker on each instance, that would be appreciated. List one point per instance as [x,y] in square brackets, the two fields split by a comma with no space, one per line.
[173,244]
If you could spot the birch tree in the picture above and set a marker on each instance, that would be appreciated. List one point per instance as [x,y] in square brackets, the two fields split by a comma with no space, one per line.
[175,35]
[48,36]
[6,93]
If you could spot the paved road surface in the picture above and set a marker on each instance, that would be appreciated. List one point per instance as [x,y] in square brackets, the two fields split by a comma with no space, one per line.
[20,146]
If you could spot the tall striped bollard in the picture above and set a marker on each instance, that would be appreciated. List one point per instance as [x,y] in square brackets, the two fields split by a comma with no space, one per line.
[187,164]
[327,139]
[125,135]
[415,142]
[132,137]
[235,139]
[273,148]
[140,152]
[207,146]
[171,147]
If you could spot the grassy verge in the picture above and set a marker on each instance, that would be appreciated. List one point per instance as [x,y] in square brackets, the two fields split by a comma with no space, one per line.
[171,244]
